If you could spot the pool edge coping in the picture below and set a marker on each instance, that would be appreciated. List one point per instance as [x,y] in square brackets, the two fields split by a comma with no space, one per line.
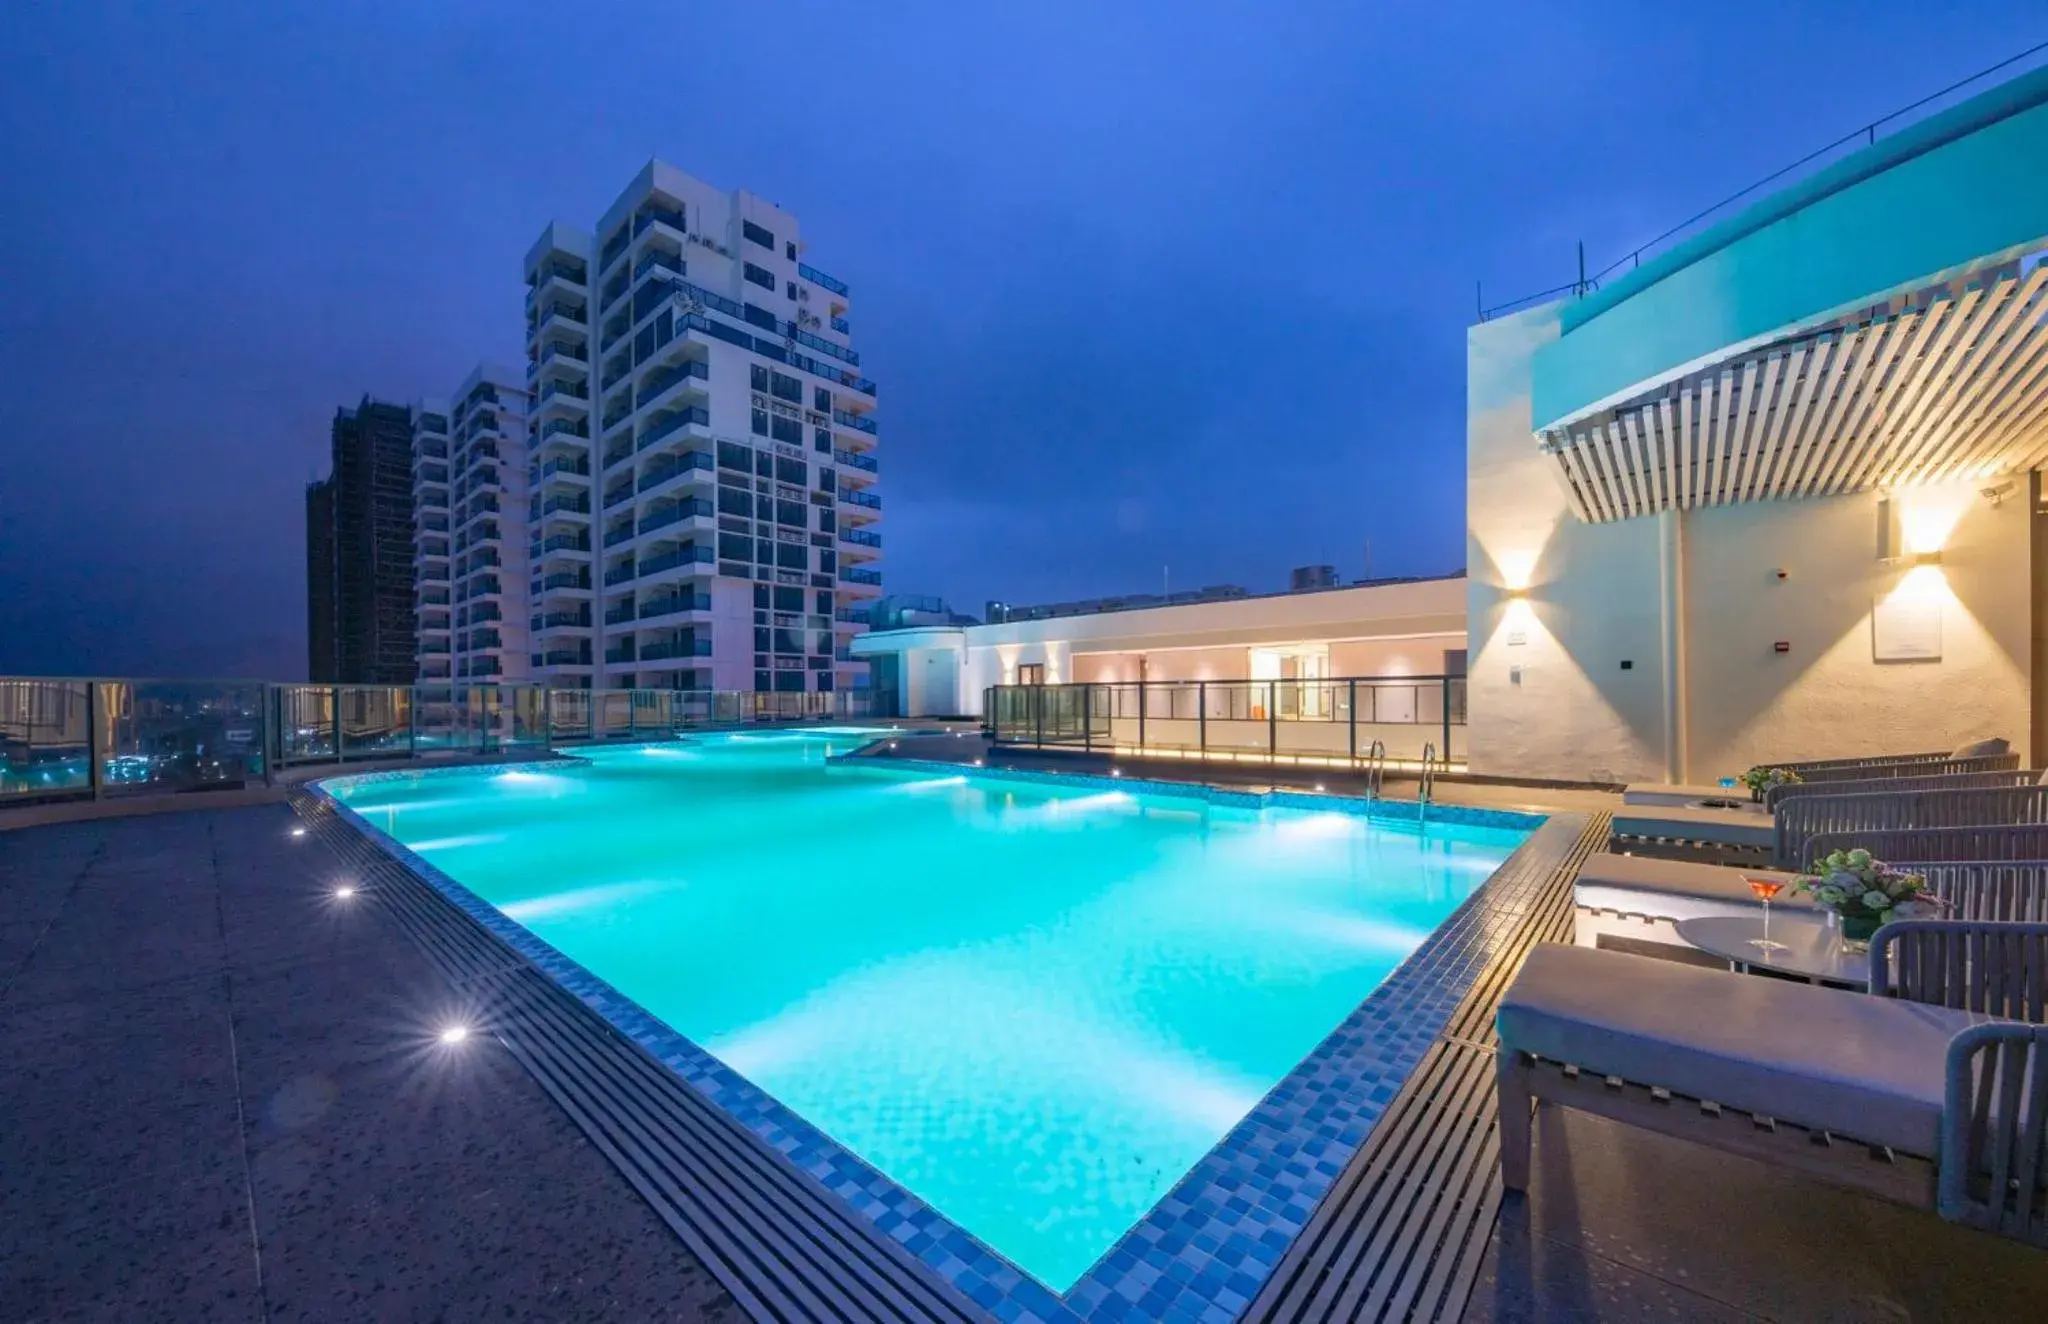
[1215,1237]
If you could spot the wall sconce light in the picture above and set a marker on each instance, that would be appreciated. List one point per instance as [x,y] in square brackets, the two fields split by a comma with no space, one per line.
[1925,558]
[1891,538]
[1515,594]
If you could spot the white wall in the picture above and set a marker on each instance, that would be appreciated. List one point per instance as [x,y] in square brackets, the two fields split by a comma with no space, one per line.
[1558,703]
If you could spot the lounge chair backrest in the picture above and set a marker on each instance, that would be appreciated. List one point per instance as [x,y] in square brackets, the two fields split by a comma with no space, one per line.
[1997,969]
[1944,780]
[1803,818]
[1994,1132]
[1809,767]
[1973,842]
[2007,891]
[1919,765]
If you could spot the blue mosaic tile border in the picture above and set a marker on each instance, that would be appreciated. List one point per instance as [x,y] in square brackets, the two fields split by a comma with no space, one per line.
[1204,1251]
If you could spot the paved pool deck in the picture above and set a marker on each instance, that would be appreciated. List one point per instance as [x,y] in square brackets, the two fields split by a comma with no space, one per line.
[223,1100]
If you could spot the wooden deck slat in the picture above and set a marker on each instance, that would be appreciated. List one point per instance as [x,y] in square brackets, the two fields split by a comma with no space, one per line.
[786,1248]
[1402,1232]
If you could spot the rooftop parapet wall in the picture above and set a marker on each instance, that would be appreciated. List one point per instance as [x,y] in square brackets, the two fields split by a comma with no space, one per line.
[1966,186]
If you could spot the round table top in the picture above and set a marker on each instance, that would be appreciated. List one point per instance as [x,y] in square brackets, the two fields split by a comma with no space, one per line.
[1812,948]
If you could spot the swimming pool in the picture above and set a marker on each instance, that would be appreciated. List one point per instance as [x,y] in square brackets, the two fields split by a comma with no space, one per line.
[1034,1006]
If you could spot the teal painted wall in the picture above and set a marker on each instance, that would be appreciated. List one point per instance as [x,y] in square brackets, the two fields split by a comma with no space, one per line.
[1966,185]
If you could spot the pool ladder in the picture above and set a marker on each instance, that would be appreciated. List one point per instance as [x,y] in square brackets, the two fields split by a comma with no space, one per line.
[1430,768]
[1375,769]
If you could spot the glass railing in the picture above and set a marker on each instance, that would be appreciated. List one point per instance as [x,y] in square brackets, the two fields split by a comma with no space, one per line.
[866,499]
[860,537]
[855,459]
[613,537]
[667,216]
[667,648]
[839,324]
[858,422]
[562,349]
[817,277]
[564,579]
[658,474]
[618,497]
[851,616]
[574,505]
[561,542]
[562,464]
[855,575]
[555,427]
[672,423]
[660,381]
[654,565]
[1308,722]
[671,603]
[86,739]
[657,258]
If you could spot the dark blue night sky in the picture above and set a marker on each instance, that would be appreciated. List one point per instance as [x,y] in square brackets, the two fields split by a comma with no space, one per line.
[1143,284]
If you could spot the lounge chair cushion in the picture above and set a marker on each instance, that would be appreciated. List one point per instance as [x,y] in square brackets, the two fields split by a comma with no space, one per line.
[1660,793]
[1722,827]
[1866,1067]
[1675,889]
[1978,749]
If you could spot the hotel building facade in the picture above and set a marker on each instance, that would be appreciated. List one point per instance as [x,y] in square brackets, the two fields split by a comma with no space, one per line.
[702,461]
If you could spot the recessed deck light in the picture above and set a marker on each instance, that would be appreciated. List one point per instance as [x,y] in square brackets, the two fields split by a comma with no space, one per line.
[298,832]
[455,1034]
[344,892]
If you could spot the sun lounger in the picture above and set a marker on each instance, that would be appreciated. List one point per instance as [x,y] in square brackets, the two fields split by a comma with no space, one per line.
[1745,829]
[1658,793]
[1977,841]
[1637,898]
[1930,1097]
[1803,819]
[1988,755]
[1943,781]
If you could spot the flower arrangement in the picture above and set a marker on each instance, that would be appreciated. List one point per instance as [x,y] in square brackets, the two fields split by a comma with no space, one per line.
[1863,890]
[1760,779]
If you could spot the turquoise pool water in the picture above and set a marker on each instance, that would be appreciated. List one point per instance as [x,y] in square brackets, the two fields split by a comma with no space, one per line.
[1035,1007]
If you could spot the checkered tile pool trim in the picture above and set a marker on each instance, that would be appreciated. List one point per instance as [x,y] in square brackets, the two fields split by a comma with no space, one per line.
[1207,1247]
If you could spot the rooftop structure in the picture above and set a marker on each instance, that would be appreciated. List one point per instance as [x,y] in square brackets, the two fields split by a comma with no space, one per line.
[359,551]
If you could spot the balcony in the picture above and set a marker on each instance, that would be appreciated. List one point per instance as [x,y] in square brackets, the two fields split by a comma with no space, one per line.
[657,259]
[613,537]
[675,514]
[434,646]
[850,616]
[577,504]
[577,466]
[567,353]
[673,423]
[566,620]
[682,556]
[865,499]
[619,654]
[620,615]
[618,496]
[855,575]
[860,537]
[557,388]
[566,579]
[858,422]
[667,216]
[558,427]
[840,325]
[666,648]
[566,316]
[659,473]
[437,450]
[672,604]
[658,382]
[619,454]
[819,278]
[856,460]
[564,657]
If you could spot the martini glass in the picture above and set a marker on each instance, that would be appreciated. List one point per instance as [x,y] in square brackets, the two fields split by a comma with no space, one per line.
[1763,889]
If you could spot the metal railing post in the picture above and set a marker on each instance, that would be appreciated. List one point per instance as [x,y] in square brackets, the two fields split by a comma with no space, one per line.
[1088,718]
[1202,719]
[1141,715]
[1038,712]
[1272,721]
[334,722]
[93,771]
[1445,686]
[1351,713]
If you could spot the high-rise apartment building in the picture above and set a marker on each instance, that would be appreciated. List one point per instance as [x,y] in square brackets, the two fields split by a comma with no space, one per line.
[359,551]
[702,459]
[470,499]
